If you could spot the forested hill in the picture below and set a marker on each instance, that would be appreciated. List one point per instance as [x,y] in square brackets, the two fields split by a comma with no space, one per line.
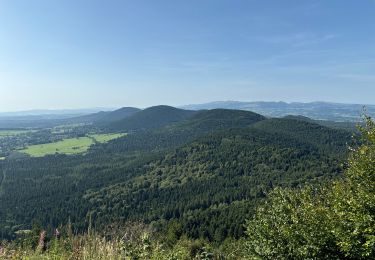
[204,170]
[315,110]
[211,184]
[218,119]
[104,117]
[175,134]
[150,118]
[329,139]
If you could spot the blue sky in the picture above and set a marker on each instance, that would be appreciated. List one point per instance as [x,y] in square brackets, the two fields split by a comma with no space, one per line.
[90,53]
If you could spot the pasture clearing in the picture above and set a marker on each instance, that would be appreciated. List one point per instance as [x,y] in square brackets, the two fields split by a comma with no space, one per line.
[8,133]
[69,146]
[66,146]
[104,138]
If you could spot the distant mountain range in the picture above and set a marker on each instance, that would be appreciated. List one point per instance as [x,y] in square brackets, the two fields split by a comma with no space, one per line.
[130,118]
[54,113]
[315,110]
[49,118]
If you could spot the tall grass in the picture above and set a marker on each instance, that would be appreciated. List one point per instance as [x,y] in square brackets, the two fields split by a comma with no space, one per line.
[134,241]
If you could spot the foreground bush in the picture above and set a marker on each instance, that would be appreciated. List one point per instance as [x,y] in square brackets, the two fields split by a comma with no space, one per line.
[334,221]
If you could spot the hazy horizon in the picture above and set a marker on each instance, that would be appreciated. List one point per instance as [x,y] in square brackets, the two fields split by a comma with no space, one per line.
[66,110]
[82,54]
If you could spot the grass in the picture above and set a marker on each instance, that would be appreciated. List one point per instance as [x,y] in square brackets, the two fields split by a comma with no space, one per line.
[66,146]
[134,241]
[69,146]
[104,138]
[7,133]
[65,128]
[2,158]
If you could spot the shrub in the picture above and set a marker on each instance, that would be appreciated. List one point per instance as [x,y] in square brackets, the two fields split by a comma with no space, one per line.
[334,221]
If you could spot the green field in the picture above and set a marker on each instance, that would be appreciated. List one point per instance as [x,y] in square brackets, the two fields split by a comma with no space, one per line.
[7,133]
[64,128]
[69,146]
[103,138]
[66,146]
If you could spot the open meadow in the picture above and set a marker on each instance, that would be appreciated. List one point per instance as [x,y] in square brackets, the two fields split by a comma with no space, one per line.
[104,138]
[8,133]
[69,146]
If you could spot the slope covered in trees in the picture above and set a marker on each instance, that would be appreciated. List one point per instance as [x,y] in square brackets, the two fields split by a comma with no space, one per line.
[211,183]
[332,220]
[176,134]
[150,118]
[205,173]
[105,116]
[119,114]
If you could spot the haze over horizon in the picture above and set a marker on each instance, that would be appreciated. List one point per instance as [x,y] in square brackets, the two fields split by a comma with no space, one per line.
[89,110]
[81,54]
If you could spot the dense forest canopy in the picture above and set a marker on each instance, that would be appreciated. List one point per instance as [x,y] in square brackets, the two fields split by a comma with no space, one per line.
[191,196]
[206,170]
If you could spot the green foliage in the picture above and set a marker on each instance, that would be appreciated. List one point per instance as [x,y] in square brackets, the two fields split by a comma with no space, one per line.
[107,117]
[151,118]
[353,200]
[193,181]
[324,222]
[292,225]
[210,185]
[206,173]
[174,233]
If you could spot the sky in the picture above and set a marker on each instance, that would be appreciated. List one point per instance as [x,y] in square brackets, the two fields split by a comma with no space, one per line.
[108,53]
